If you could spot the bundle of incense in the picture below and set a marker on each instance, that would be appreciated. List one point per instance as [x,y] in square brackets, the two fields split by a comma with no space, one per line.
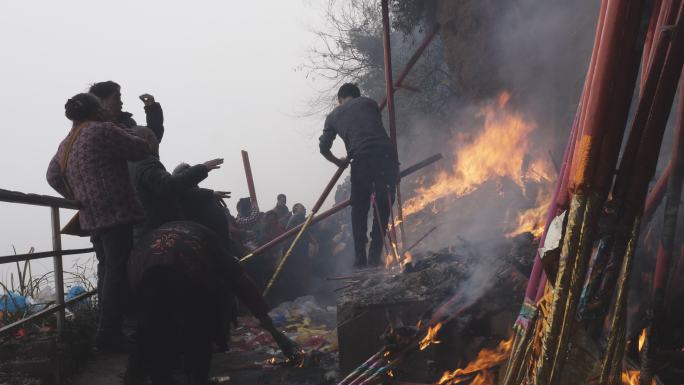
[351,376]
[370,370]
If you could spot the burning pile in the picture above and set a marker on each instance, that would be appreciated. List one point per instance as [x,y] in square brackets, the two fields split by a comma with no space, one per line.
[480,368]
[475,293]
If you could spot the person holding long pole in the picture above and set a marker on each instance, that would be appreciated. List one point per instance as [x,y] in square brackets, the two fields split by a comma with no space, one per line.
[374,166]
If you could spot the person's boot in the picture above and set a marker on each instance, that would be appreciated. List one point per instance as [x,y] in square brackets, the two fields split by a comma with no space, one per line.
[360,260]
[375,254]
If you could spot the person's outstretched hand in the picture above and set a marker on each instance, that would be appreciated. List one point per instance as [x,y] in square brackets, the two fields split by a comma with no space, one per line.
[213,164]
[221,195]
[147,99]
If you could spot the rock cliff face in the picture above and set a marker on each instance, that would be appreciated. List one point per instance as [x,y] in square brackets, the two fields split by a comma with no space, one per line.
[538,50]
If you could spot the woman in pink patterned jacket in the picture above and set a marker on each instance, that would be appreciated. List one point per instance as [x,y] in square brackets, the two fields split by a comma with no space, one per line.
[91,167]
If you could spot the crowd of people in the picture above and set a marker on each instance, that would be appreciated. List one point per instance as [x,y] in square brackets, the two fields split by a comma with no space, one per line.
[160,239]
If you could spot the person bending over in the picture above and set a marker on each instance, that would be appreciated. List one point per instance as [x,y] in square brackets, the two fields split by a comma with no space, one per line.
[374,166]
[178,273]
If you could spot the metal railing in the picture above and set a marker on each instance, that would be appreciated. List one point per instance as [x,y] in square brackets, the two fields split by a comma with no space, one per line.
[60,305]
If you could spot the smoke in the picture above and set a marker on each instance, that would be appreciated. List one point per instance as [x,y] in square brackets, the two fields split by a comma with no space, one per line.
[539,52]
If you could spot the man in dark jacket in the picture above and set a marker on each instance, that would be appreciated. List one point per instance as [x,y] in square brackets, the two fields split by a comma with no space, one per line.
[374,166]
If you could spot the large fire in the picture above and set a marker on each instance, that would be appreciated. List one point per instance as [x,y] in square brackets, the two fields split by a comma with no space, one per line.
[486,360]
[499,150]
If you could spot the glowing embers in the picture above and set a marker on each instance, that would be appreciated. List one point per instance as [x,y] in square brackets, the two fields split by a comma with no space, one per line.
[431,336]
[642,339]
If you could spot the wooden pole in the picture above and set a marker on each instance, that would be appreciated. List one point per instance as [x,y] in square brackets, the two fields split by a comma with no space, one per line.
[389,94]
[412,62]
[655,327]
[58,270]
[306,224]
[248,174]
[615,70]
[635,189]
[335,209]
[642,140]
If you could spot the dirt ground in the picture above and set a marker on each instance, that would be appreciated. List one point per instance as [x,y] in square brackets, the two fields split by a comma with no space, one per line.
[109,369]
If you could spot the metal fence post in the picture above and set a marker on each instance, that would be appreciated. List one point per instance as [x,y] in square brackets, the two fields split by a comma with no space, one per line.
[57,260]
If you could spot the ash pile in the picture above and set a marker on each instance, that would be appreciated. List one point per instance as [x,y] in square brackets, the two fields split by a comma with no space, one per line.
[487,281]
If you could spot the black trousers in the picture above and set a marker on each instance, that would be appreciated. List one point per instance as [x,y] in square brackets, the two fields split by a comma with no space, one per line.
[177,322]
[377,174]
[112,249]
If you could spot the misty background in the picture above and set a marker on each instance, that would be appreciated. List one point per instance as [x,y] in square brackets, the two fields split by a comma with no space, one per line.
[261,77]
[224,72]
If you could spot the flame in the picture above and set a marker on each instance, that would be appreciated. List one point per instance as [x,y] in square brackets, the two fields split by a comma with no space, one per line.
[498,151]
[631,377]
[485,360]
[484,378]
[642,339]
[393,257]
[429,338]
[408,258]
[533,220]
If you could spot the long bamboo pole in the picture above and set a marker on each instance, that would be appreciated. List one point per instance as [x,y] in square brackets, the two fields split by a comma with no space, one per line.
[314,211]
[650,39]
[649,148]
[248,175]
[391,113]
[624,58]
[664,255]
[526,321]
[603,126]
[412,62]
[627,170]
[560,202]
[616,324]
[655,196]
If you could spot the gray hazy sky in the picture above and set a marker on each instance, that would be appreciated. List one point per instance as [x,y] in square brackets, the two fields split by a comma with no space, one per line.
[224,72]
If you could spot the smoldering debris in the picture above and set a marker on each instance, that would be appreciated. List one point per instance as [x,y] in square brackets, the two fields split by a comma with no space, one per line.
[487,282]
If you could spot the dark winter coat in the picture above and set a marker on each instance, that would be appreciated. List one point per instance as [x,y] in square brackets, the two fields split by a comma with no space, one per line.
[160,192]
[195,252]
[154,117]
